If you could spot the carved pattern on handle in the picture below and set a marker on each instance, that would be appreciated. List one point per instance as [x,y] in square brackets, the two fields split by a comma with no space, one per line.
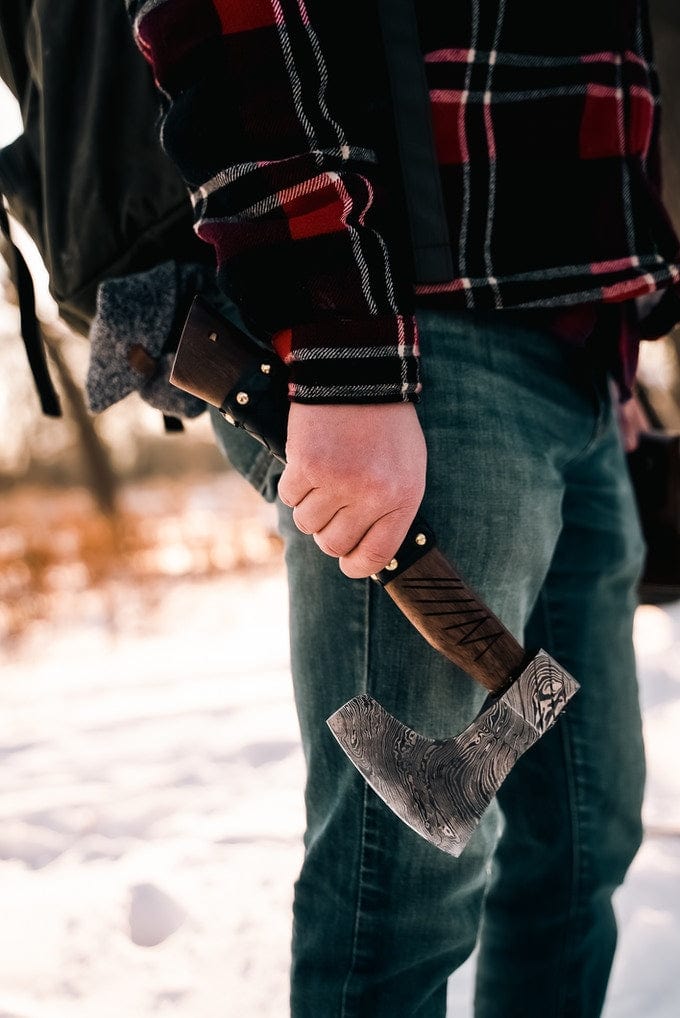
[442,607]
[453,593]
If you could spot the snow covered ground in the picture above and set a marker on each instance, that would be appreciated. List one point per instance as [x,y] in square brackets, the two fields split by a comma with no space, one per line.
[151,814]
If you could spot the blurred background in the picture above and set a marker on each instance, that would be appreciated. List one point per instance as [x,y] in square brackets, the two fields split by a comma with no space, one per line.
[151,774]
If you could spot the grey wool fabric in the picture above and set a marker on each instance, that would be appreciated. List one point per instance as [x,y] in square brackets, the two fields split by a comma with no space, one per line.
[134,319]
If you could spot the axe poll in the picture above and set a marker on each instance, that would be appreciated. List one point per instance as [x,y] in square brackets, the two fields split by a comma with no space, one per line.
[439,787]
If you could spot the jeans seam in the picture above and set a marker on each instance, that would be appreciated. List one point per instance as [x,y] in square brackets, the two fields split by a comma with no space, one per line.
[572,787]
[344,1013]
[577,853]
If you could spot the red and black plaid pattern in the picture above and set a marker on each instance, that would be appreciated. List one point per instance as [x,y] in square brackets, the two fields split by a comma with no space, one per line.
[545,120]
[287,188]
[546,124]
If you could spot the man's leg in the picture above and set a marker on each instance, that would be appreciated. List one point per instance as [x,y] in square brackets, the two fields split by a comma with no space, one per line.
[572,804]
[381,917]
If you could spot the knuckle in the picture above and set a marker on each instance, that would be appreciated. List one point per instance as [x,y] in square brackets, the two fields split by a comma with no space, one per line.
[331,546]
[352,571]
[300,524]
[283,490]
[362,563]
[376,557]
[333,549]
[396,497]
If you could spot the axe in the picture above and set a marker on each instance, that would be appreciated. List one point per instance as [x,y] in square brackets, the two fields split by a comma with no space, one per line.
[439,787]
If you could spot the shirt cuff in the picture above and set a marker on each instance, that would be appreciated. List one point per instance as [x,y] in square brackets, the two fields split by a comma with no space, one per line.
[368,360]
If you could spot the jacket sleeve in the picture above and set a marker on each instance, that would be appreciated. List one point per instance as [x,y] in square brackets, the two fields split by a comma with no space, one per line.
[293,203]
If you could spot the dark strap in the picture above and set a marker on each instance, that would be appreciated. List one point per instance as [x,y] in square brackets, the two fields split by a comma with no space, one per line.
[430,238]
[30,327]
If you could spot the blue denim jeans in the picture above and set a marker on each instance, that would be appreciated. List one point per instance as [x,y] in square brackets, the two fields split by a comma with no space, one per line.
[529,495]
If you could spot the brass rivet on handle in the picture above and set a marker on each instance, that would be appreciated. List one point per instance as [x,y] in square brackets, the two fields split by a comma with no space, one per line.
[421,539]
[213,337]
[265,368]
[242,398]
[391,566]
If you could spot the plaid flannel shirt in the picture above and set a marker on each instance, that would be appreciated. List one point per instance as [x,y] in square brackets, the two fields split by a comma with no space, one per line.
[546,126]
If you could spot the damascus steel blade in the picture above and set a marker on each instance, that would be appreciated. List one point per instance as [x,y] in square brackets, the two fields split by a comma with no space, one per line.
[441,787]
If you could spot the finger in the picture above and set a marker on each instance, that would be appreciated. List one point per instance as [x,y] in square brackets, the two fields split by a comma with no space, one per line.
[631,438]
[641,419]
[343,533]
[292,489]
[315,511]
[629,430]
[378,546]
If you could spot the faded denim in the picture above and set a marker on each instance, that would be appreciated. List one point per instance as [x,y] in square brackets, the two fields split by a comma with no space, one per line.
[529,495]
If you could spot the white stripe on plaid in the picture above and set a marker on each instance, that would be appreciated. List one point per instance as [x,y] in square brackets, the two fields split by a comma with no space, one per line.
[467,169]
[491,148]
[640,43]
[360,261]
[240,170]
[550,272]
[305,122]
[529,60]
[342,142]
[312,353]
[293,76]
[355,239]
[664,277]
[403,351]
[333,392]
[389,280]
[626,191]
[276,199]
[452,95]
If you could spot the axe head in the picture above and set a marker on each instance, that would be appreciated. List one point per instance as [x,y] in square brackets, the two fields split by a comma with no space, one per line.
[441,787]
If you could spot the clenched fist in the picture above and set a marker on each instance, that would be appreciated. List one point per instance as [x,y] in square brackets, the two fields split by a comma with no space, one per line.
[355,477]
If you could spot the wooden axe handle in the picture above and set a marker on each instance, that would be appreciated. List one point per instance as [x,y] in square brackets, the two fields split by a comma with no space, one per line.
[221,364]
[446,611]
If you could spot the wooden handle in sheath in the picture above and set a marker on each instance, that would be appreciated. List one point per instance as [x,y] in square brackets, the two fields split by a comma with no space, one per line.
[213,354]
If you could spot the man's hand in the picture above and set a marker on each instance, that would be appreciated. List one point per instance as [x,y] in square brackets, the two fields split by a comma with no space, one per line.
[355,477]
[632,421]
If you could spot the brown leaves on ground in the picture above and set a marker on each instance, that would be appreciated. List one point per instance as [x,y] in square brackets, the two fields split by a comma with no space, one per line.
[59,555]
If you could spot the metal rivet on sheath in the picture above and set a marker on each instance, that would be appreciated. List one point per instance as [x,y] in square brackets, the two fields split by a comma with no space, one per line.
[421,539]
[242,398]
[265,368]
[213,337]
[391,566]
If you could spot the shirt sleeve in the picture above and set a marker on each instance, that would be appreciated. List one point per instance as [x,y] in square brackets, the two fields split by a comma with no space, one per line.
[289,193]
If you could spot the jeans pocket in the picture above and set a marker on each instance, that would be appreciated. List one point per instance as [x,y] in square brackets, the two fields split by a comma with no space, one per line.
[255,463]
